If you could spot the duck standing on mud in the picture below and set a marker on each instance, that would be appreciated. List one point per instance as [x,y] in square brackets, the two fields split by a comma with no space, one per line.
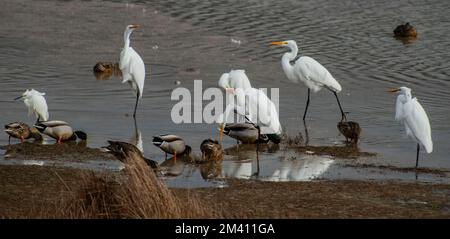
[22,131]
[211,150]
[60,130]
[172,144]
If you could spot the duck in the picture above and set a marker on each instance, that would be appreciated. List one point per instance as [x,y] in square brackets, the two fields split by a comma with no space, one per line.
[350,129]
[22,131]
[124,151]
[246,133]
[406,30]
[60,130]
[211,150]
[172,144]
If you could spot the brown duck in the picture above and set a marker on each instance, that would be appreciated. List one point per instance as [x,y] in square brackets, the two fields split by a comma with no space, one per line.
[123,151]
[21,131]
[350,129]
[406,30]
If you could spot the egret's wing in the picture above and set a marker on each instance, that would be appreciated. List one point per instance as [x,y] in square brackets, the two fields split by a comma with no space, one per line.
[124,59]
[40,107]
[137,70]
[417,120]
[309,69]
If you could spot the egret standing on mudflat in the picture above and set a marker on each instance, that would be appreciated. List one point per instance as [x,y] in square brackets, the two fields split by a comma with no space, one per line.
[132,66]
[309,71]
[36,103]
[409,112]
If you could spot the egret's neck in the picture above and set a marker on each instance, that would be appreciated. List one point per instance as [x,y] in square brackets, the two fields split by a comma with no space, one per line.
[126,39]
[286,62]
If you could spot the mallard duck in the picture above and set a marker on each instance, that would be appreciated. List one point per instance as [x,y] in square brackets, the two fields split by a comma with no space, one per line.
[60,130]
[405,30]
[36,103]
[124,151]
[247,133]
[21,131]
[211,150]
[349,129]
[172,144]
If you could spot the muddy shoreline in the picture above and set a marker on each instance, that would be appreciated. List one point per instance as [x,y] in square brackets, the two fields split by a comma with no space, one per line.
[25,189]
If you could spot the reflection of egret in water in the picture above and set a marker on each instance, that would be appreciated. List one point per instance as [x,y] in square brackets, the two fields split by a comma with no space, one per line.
[242,158]
[305,169]
[136,139]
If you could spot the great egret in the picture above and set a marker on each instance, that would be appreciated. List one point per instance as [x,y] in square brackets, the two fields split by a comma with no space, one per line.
[132,66]
[409,112]
[36,103]
[21,131]
[60,130]
[309,71]
[125,151]
[257,109]
[172,144]
[233,80]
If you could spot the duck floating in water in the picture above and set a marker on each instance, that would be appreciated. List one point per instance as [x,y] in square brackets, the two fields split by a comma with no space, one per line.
[172,144]
[211,150]
[36,103]
[103,70]
[350,129]
[124,151]
[60,130]
[22,131]
[405,30]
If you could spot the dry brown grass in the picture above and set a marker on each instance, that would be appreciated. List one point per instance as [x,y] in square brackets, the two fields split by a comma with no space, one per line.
[136,193]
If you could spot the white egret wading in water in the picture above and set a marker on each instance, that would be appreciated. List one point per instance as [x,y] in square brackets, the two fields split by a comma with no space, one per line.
[409,112]
[132,66]
[309,71]
[36,103]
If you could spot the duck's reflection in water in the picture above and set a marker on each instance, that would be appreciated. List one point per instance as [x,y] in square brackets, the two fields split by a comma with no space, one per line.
[304,169]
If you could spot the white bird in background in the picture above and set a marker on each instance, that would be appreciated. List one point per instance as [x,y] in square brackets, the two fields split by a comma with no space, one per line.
[132,66]
[36,103]
[409,112]
[309,71]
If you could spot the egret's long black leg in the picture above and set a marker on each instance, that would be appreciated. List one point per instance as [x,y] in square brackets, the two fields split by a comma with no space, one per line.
[340,107]
[306,134]
[417,158]
[9,140]
[135,106]
[307,104]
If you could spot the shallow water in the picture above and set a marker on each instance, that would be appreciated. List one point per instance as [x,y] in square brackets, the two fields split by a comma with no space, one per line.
[52,46]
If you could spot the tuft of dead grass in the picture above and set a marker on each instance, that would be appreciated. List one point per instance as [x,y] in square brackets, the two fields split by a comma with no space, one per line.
[136,193]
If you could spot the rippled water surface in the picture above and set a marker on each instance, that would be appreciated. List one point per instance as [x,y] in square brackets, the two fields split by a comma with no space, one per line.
[52,46]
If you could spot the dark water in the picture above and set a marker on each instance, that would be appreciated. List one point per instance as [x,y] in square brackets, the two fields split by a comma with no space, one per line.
[52,46]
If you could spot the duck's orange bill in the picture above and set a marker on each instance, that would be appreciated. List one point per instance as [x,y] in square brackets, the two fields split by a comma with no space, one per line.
[278,43]
[393,90]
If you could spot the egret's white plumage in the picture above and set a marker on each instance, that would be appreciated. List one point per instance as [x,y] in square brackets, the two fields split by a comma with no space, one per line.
[36,104]
[132,66]
[309,71]
[234,79]
[410,112]
[257,108]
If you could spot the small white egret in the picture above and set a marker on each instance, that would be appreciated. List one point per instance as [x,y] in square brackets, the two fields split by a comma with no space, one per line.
[36,103]
[132,66]
[409,112]
[309,71]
